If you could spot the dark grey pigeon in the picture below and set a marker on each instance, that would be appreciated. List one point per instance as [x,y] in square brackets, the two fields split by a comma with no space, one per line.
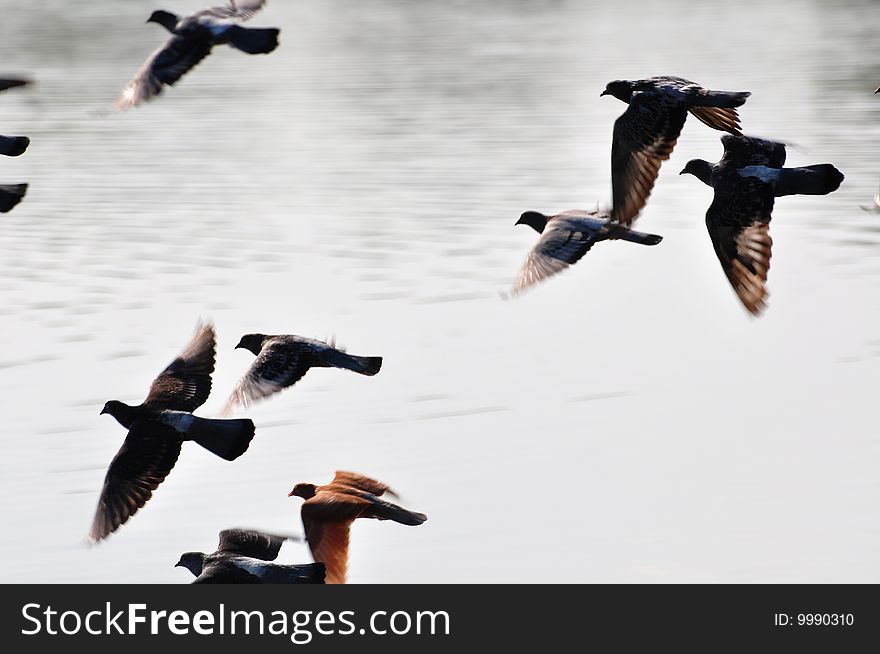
[157,429]
[566,237]
[11,195]
[192,39]
[746,181]
[282,360]
[648,130]
[243,557]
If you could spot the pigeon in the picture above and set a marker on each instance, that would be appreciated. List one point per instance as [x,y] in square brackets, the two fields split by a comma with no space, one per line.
[565,238]
[648,130]
[746,181]
[243,557]
[328,512]
[283,360]
[157,429]
[11,195]
[192,39]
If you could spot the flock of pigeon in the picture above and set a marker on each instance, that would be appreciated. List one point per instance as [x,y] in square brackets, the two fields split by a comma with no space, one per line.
[746,182]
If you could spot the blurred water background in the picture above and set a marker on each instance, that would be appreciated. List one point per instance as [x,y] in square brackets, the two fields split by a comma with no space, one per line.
[626,421]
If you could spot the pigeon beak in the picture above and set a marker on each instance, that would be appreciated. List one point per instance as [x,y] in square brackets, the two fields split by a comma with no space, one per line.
[605,92]
[290,494]
[103,411]
[683,172]
[178,565]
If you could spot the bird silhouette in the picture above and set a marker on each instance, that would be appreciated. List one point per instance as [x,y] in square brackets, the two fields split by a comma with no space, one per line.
[646,133]
[747,180]
[192,39]
[282,360]
[244,556]
[565,238]
[157,429]
[329,510]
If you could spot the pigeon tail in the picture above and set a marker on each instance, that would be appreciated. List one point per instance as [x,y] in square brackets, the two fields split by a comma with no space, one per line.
[12,146]
[727,99]
[228,439]
[388,511]
[253,40]
[820,179]
[11,195]
[362,365]
[637,237]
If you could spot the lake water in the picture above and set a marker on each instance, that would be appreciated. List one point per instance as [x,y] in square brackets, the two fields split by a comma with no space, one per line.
[627,421]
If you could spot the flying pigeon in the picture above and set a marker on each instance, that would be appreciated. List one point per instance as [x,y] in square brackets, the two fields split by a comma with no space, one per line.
[157,429]
[565,238]
[11,195]
[244,557]
[192,39]
[646,133]
[328,512]
[283,360]
[746,181]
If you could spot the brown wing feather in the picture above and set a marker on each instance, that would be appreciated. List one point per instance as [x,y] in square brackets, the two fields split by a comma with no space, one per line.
[644,137]
[146,457]
[740,232]
[362,482]
[186,383]
[724,119]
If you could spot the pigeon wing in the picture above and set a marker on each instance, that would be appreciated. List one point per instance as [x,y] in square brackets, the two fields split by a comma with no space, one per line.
[179,55]
[739,224]
[146,457]
[362,482]
[561,244]
[241,10]
[278,366]
[186,383]
[644,137]
[247,542]
[742,151]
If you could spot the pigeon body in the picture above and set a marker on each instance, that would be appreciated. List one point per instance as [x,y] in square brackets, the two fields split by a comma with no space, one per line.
[192,39]
[747,180]
[157,429]
[566,237]
[329,510]
[646,133]
[283,360]
[244,557]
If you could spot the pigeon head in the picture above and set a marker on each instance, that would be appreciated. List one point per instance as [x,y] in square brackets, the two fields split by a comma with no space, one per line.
[252,342]
[700,169]
[164,18]
[620,89]
[192,561]
[125,415]
[305,491]
[533,219]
